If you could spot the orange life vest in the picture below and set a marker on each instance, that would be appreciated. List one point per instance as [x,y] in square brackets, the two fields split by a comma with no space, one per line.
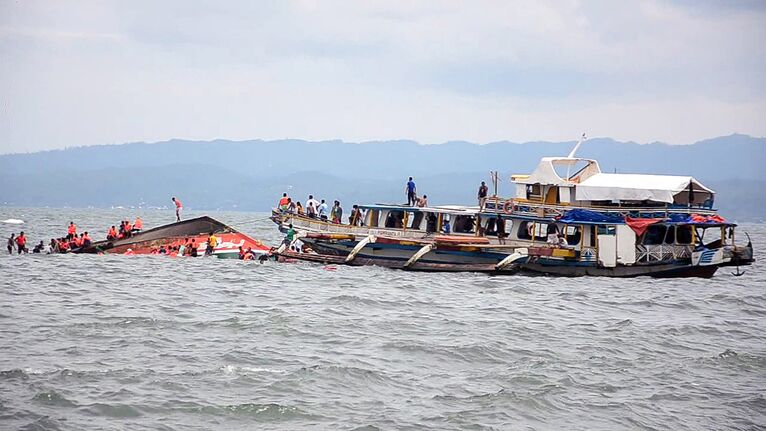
[72,229]
[139,224]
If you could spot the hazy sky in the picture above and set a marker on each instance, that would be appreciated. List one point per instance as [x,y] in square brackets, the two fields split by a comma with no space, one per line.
[101,72]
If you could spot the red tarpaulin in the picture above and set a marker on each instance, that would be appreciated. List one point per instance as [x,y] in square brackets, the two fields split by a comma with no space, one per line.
[640,225]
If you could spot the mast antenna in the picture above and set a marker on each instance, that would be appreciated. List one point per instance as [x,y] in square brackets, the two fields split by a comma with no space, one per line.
[577,146]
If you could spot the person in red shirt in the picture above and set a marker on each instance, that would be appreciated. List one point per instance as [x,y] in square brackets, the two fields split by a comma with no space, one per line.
[179,207]
[21,243]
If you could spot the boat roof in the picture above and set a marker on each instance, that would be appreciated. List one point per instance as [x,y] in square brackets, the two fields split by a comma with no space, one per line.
[636,187]
[444,209]
[545,172]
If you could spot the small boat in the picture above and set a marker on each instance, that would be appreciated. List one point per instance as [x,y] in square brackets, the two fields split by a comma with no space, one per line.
[176,234]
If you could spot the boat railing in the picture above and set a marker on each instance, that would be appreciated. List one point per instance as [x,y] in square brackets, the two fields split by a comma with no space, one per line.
[530,208]
[662,252]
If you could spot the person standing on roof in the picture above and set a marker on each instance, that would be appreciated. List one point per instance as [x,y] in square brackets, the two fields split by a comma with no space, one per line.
[411,190]
[482,196]
[179,207]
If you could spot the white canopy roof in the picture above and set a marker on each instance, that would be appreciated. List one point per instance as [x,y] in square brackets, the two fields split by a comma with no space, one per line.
[635,187]
[545,172]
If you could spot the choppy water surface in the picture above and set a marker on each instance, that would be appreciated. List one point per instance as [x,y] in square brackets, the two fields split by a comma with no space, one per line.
[117,342]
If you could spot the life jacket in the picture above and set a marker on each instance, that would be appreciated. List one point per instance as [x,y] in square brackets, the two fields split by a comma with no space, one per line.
[138,224]
[128,227]
[86,238]
[72,229]
[112,233]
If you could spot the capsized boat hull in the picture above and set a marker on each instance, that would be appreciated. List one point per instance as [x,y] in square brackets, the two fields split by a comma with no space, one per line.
[176,234]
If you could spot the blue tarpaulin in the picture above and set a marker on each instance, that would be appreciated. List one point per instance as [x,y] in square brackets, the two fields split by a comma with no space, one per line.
[579,216]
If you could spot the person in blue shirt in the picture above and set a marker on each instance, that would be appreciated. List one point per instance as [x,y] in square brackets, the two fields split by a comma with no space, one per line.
[322,210]
[411,196]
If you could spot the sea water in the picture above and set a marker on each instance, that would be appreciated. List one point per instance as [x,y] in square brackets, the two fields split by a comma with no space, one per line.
[152,342]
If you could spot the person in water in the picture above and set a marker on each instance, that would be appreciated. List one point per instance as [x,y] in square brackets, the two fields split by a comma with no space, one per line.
[11,243]
[193,248]
[179,207]
[39,247]
[21,243]
[411,192]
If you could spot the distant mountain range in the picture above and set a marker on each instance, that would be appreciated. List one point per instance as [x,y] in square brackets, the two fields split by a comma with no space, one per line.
[251,175]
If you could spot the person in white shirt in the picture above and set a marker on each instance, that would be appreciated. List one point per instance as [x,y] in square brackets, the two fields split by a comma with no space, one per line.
[311,200]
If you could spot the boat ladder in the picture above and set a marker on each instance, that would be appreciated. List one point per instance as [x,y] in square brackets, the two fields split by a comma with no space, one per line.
[359,246]
[420,253]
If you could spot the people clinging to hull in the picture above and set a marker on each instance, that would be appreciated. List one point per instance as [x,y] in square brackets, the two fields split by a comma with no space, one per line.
[138,226]
[212,243]
[39,248]
[86,241]
[193,248]
[179,207]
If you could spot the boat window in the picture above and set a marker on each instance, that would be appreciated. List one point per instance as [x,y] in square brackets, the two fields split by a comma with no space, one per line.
[534,191]
[606,230]
[670,237]
[415,220]
[527,229]
[573,234]
[654,235]
[490,226]
[463,224]
[683,234]
[395,219]
[431,220]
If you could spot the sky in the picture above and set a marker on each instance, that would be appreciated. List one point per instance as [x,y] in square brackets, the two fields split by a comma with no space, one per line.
[108,72]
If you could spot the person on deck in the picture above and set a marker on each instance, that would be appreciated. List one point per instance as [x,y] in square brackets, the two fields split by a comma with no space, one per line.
[355,218]
[289,235]
[311,210]
[283,202]
[11,243]
[313,201]
[336,213]
[128,229]
[21,243]
[411,190]
[179,207]
[138,225]
[86,241]
[290,206]
[298,208]
[71,230]
[482,195]
[322,210]
[446,227]
[423,201]
[500,227]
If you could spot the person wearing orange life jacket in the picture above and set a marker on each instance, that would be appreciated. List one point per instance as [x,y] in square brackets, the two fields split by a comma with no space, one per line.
[86,241]
[138,225]
[78,241]
[111,234]
[71,230]
[128,229]
[179,207]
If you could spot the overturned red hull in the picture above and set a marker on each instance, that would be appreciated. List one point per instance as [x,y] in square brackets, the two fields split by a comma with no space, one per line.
[176,234]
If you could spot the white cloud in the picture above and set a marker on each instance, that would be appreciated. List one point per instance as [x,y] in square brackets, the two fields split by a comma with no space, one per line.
[82,74]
